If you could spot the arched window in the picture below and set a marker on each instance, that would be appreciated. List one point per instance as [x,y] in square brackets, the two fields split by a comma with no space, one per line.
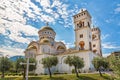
[90,45]
[77,25]
[82,44]
[83,24]
[88,24]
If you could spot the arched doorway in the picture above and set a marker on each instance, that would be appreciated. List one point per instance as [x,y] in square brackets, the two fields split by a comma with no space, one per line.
[90,46]
[60,49]
[82,44]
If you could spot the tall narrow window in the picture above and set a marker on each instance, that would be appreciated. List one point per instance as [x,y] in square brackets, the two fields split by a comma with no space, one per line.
[94,45]
[77,25]
[88,24]
[82,24]
[90,46]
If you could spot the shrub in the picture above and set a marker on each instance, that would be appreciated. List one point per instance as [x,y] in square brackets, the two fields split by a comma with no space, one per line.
[31,73]
[35,74]
[73,70]
[20,74]
[65,72]
[57,72]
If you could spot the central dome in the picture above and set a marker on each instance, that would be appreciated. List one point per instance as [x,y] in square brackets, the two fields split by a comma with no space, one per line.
[47,28]
[46,32]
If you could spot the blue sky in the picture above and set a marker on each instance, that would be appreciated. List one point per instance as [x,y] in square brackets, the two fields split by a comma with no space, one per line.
[20,21]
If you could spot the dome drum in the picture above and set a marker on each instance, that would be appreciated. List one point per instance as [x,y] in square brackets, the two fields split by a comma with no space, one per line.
[46,32]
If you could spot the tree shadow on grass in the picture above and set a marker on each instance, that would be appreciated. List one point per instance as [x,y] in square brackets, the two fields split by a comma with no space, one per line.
[77,78]
[57,78]
[35,78]
[84,78]
[108,78]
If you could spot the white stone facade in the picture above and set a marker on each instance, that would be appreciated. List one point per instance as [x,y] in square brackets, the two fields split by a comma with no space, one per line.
[86,46]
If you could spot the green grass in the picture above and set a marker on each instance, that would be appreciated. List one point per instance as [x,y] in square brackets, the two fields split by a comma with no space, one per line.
[62,77]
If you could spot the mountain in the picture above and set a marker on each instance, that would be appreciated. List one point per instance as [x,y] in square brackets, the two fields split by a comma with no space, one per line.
[14,58]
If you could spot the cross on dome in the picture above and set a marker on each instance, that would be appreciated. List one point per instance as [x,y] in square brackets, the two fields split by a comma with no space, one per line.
[47,24]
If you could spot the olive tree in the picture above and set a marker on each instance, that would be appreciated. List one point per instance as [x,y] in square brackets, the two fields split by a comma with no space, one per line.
[5,65]
[75,61]
[48,62]
[100,63]
[115,66]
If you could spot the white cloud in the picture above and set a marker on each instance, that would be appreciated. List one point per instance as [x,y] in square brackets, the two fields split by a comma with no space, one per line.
[45,3]
[56,3]
[2,30]
[11,51]
[14,15]
[61,11]
[106,54]
[104,36]
[117,10]
[14,31]
[118,4]
[68,45]
[108,20]
[109,45]
[47,18]
[13,22]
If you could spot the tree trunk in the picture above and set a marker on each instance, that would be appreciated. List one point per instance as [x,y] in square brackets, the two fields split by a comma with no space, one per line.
[100,72]
[2,74]
[49,72]
[16,72]
[24,73]
[76,72]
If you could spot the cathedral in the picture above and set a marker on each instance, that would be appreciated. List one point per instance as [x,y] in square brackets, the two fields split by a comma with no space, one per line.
[87,45]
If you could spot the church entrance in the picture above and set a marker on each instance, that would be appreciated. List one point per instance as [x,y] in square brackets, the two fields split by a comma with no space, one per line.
[82,44]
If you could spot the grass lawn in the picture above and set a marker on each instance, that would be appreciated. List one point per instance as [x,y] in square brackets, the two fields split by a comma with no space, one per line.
[63,77]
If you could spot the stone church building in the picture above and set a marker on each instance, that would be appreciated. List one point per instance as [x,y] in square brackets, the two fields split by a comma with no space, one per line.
[87,45]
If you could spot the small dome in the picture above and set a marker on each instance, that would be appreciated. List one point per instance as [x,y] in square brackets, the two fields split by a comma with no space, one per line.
[31,47]
[45,41]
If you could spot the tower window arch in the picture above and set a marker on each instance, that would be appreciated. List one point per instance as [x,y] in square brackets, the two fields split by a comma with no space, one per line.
[94,45]
[90,46]
[81,44]
[88,24]
[77,25]
[82,23]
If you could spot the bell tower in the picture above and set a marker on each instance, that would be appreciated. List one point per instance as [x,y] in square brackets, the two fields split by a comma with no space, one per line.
[96,41]
[83,35]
